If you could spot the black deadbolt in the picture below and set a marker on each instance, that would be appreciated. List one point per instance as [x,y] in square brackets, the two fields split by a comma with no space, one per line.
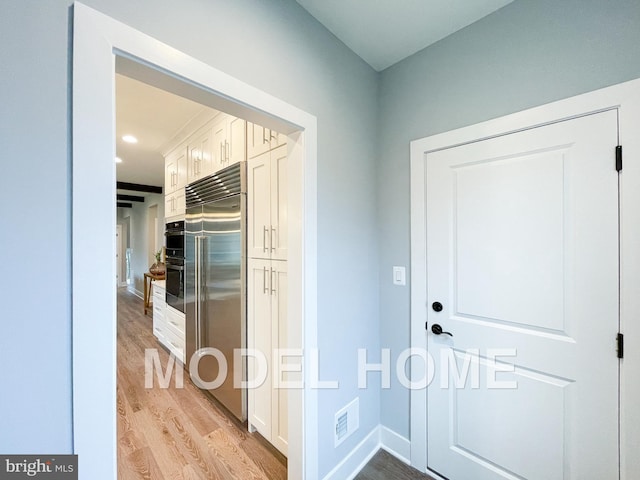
[437,306]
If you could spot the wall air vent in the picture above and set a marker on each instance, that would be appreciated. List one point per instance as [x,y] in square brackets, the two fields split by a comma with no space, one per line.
[347,421]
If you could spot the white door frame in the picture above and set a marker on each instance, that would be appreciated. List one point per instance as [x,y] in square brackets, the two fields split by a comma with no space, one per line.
[98,39]
[625,98]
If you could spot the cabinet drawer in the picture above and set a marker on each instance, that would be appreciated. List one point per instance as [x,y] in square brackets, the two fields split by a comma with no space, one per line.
[175,320]
[176,324]
[174,343]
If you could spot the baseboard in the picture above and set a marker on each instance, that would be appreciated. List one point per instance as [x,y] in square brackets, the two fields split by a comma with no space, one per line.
[351,465]
[136,292]
[395,444]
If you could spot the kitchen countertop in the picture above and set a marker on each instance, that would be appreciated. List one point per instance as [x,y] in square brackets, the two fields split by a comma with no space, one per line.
[159,284]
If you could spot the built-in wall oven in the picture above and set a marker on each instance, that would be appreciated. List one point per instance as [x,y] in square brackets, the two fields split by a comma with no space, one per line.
[174,234]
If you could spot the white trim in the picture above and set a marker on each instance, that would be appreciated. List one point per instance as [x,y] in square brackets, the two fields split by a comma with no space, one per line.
[97,40]
[395,444]
[625,97]
[356,460]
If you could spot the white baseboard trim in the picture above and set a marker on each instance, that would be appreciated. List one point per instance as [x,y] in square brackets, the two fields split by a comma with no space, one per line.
[355,461]
[379,437]
[395,444]
[136,292]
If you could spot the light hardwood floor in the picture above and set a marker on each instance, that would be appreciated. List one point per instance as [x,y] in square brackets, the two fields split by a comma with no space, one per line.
[177,433]
[183,433]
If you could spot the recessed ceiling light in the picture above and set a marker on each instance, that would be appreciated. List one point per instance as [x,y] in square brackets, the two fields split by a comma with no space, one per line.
[130,139]
[118,160]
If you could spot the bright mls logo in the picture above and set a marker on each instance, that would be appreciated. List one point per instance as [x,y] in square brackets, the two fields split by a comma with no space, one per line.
[52,467]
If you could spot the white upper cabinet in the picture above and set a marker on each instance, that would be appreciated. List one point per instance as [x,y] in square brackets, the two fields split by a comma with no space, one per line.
[207,145]
[175,169]
[200,160]
[229,141]
[267,205]
[261,139]
[237,137]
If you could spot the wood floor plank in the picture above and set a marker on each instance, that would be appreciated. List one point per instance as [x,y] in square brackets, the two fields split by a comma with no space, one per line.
[235,460]
[201,459]
[384,466]
[141,465]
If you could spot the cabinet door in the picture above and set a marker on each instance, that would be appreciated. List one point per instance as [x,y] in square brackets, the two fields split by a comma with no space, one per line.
[206,166]
[220,142]
[180,203]
[259,206]
[277,139]
[257,140]
[236,143]
[169,205]
[259,338]
[280,341]
[181,165]
[174,163]
[193,163]
[278,199]
[175,204]
[200,161]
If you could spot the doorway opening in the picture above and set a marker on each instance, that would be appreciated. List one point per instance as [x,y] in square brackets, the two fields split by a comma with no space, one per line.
[98,42]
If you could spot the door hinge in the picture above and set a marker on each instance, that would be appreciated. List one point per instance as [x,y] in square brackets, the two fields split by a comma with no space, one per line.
[620,342]
[619,158]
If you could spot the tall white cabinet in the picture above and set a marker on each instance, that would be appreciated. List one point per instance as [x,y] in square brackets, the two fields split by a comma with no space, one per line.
[267,332]
[267,326]
[267,205]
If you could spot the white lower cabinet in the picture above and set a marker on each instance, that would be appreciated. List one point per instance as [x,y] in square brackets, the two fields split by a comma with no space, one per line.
[174,333]
[168,323]
[159,308]
[267,333]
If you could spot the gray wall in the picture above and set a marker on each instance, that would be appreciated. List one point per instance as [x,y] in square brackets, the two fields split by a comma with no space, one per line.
[526,54]
[529,53]
[275,46]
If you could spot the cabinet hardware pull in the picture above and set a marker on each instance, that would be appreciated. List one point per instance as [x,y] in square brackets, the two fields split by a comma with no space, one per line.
[272,242]
[264,281]
[273,290]
[264,140]
[226,151]
[264,239]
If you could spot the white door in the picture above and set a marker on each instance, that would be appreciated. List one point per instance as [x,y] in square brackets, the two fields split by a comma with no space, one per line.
[522,253]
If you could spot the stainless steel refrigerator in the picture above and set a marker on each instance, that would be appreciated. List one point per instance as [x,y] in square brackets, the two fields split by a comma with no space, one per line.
[215,282]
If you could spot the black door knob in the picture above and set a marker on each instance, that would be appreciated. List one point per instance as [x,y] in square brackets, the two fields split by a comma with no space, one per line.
[437,329]
[437,306]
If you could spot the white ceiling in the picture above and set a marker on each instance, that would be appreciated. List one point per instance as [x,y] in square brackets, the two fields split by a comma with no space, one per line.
[383,32]
[153,116]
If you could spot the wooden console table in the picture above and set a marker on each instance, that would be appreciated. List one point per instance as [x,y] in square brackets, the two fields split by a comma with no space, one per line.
[148,278]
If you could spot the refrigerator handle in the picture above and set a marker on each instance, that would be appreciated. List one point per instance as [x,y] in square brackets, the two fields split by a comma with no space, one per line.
[197,292]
